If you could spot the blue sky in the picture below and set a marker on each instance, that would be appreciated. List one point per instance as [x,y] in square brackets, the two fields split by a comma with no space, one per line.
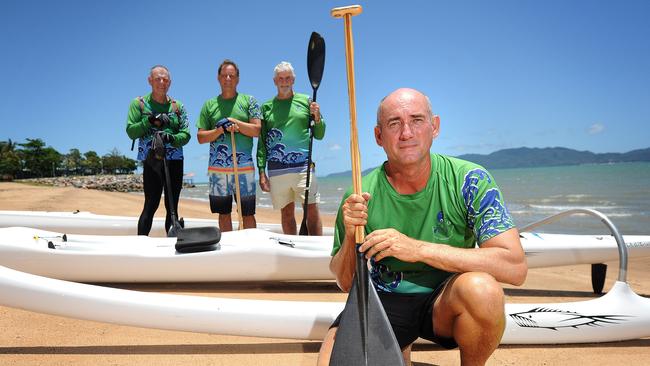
[501,74]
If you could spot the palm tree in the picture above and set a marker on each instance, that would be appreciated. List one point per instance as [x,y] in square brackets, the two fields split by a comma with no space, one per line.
[10,163]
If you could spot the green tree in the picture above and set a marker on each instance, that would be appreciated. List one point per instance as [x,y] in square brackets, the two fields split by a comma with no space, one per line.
[38,160]
[73,162]
[31,155]
[9,160]
[92,163]
[129,165]
[116,163]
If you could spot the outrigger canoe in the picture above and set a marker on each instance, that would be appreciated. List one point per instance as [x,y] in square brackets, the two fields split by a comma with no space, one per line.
[245,255]
[618,315]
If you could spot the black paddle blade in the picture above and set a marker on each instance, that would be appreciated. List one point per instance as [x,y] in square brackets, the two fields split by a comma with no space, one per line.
[381,348]
[198,239]
[315,66]
[303,226]
[315,59]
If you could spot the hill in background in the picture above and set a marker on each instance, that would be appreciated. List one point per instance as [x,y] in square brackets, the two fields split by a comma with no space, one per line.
[526,157]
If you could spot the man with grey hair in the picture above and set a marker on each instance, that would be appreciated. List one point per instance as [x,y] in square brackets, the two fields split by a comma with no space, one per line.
[439,238]
[158,112]
[283,147]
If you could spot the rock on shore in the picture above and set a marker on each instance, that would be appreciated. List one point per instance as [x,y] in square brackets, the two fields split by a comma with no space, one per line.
[113,183]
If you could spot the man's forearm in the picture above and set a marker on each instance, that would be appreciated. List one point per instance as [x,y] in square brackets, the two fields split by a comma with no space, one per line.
[504,264]
[250,129]
[343,263]
[204,136]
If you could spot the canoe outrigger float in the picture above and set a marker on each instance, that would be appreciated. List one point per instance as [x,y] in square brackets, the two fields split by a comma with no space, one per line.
[619,315]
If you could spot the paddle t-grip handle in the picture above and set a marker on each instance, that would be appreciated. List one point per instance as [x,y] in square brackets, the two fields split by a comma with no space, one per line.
[344,10]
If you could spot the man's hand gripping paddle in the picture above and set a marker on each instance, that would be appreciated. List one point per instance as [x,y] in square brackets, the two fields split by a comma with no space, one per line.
[315,66]
[365,336]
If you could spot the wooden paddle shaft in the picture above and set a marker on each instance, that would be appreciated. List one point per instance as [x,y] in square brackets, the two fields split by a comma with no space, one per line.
[237,190]
[347,12]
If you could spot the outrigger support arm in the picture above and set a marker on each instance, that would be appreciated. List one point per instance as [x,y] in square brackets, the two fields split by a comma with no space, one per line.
[622,248]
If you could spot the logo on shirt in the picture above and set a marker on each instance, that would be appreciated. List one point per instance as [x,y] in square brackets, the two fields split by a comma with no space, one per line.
[442,228]
[384,279]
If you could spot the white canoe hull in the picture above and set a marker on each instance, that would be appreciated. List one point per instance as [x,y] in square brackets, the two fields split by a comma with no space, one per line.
[246,255]
[619,315]
[552,250]
[82,222]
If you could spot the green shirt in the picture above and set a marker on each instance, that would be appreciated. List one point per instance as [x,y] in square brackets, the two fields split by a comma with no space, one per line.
[284,140]
[244,108]
[460,206]
[138,126]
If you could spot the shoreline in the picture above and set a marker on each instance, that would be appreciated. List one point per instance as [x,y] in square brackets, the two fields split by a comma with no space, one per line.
[33,197]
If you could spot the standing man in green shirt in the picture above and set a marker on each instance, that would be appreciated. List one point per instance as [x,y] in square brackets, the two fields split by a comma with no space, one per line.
[158,112]
[230,111]
[423,215]
[284,147]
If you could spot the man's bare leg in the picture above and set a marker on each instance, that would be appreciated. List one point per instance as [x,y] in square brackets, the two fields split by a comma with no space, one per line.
[471,310]
[314,223]
[225,222]
[288,219]
[326,347]
[249,222]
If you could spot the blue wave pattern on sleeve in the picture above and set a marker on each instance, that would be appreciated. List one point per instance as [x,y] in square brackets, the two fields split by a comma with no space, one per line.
[254,110]
[492,215]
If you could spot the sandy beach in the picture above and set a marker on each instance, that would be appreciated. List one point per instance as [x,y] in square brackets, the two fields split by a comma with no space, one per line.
[28,338]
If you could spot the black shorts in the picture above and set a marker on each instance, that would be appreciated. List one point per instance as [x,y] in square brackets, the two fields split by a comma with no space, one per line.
[411,316]
[223,205]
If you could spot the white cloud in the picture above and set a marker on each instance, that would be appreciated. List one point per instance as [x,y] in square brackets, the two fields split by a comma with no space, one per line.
[334,147]
[596,128]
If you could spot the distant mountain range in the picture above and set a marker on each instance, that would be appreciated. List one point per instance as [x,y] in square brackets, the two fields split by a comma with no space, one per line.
[525,157]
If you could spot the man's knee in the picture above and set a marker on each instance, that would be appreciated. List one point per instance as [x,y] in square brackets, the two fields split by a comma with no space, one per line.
[288,209]
[313,210]
[478,287]
[481,295]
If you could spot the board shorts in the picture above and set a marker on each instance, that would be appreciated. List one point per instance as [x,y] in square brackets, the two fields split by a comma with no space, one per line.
[411,316]
[290,187]
[222,192]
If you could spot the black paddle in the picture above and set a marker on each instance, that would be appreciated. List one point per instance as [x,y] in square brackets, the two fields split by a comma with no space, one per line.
[364,336]
[315,66]
[198,239]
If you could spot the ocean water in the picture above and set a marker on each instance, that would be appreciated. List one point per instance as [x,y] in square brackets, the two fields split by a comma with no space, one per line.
[620,191]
